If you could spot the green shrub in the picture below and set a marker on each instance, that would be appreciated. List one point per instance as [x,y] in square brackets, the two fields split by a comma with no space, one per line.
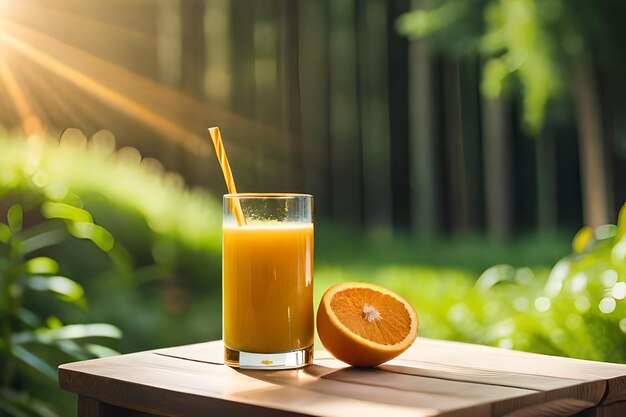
[576,308]
[167,252]
[34,338]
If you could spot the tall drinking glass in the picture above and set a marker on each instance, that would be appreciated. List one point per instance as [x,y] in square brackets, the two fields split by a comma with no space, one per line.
[267,281]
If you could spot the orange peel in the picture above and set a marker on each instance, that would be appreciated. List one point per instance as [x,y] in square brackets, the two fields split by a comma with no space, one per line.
[364,324]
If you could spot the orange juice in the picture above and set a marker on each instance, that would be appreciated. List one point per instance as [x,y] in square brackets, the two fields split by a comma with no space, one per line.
[268,286]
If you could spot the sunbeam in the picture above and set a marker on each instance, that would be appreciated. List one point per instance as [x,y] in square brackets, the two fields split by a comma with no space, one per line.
[187,138]
[166,111]
[30,122]
[56,106]
[100,65]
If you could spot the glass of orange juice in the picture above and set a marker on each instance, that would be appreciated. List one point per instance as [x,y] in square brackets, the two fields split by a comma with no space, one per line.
[267,282]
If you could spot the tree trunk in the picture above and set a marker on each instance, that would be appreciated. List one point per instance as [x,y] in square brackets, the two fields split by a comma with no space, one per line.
[545,152]
[347,201]
[313,58]
[470,96]
[169,58]
[398,111]
[497,150]
[290,97]
[169,42]
[193,49]
[271,164]
[590,146]
[192,75]
[217,74]
[455,152]
[425,218]
[242,57]
[374,117]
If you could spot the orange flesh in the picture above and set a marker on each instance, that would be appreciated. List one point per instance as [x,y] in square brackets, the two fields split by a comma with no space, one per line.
[391,327]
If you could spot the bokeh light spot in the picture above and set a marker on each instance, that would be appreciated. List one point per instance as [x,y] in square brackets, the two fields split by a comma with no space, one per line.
[573,321]
[618,253]
[57,190]
[579,282]
[553,288]
[609,278]
[41,179]
[619,290]
[582,304]
[557,336]
[458,313]
[607,305]
[506,343]
[129,155]
[560,271]
[542,304]
[521,304]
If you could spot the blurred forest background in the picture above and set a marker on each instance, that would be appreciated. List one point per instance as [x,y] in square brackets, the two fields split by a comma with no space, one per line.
[466,153]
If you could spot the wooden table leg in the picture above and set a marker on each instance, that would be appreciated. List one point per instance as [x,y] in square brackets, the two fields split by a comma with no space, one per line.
[89,407]
[617,409]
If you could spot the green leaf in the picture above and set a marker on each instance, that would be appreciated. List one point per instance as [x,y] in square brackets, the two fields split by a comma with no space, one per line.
[495,275]
[5,233]
[42,265]
[71,332]
[621,223]
[97,234]
[69,289]
[424,22]
[584,237]
[21,404]
[52,210]
[81,331]
[13,410]
[35,362]
[100,351]
[28,318]
[72,349]
[53,322]
[417,23]
[41,409]
[44,337]
[606,231]
[43,240]
[68,347]
[15,215]
[494,74]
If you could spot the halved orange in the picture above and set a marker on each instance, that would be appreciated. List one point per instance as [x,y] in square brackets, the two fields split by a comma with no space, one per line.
[365,324]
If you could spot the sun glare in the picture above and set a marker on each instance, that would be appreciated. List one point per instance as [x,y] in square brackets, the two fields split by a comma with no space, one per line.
[75,64]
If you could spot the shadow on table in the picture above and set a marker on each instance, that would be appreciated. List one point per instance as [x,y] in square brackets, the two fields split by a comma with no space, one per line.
[366,384]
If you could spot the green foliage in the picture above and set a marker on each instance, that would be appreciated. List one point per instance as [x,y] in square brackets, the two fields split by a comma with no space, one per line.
[34,339]
[517,42]
[454,26]
[528,44]
[163,239]
[137,243]
[77,168]
[514,39]
[576,309]
[148,249]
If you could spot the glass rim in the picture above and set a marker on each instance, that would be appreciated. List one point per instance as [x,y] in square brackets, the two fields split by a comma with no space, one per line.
[268,195]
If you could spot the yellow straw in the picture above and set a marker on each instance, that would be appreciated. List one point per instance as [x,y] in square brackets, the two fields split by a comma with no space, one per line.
[228,175]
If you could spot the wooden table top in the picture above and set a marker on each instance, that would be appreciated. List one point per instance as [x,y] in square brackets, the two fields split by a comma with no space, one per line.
[432,378]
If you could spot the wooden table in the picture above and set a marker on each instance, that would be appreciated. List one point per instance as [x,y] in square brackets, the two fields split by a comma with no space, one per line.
[432,378]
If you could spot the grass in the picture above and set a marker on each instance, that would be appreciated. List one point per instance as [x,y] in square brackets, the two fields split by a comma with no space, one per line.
[531,295]
[439,277]
[163,270]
